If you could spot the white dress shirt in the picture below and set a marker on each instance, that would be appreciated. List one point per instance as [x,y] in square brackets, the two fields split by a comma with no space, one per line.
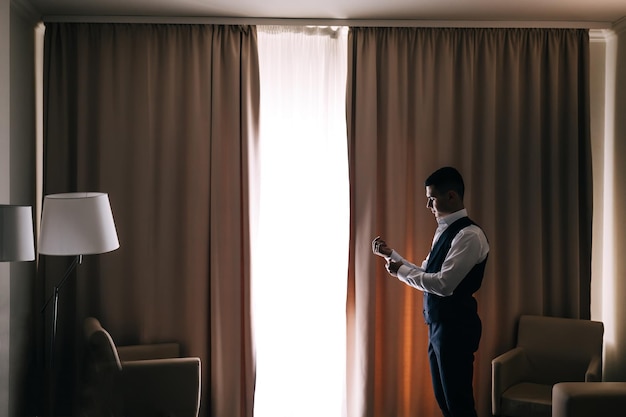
[469,247]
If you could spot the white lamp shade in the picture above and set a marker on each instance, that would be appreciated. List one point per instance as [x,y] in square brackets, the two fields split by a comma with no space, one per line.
[77,224]
[16,233]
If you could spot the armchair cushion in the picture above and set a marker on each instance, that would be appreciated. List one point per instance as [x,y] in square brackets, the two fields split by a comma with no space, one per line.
[527,399]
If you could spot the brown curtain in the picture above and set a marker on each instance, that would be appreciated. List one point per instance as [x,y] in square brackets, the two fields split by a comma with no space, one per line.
[164,119]
[507,107]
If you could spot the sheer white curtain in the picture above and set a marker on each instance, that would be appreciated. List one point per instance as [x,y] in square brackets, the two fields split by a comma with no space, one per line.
[300,259]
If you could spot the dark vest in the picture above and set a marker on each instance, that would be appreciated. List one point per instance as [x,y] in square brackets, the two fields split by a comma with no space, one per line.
[461,304]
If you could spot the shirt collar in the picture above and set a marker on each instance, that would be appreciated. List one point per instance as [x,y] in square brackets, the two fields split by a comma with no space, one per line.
[451,218]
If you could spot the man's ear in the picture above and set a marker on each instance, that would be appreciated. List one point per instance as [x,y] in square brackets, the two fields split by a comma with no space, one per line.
[455,198]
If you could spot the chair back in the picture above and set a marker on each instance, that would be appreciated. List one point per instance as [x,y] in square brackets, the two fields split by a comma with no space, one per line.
[100,347]
[559,349]
[102,368]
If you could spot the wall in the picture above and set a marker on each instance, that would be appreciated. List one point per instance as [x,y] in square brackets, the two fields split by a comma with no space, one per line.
[23,168]
[597,98]
[608,141]
[614,274]
[17,186]
[5,152]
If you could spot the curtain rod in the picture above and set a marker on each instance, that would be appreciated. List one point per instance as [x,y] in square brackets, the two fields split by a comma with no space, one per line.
[329,22]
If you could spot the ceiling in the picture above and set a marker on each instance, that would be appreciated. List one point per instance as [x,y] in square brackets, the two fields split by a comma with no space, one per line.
[593,11]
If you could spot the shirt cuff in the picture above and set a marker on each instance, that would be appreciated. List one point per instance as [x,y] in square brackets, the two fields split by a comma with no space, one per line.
[403,271]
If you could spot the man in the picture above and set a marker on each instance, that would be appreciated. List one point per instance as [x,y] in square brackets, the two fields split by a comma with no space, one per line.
[448,277]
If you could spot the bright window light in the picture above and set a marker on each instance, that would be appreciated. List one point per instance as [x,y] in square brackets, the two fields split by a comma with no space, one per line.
[300,261]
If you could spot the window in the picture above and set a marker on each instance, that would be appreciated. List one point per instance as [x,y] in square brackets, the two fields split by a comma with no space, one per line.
[299,278]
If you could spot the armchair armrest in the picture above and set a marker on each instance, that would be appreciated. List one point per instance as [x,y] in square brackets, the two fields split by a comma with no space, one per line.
[161,387]
[507,369]
[148,351]
[594,371]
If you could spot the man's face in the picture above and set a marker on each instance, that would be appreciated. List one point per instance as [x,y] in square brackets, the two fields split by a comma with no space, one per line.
[438,203]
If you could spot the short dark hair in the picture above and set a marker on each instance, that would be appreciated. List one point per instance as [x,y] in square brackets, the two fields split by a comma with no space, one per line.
[446,179]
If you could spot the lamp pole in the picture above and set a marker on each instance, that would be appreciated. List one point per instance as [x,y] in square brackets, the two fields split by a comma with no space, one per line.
[78,259]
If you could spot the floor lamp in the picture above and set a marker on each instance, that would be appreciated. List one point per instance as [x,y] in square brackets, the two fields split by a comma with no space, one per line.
[74,224]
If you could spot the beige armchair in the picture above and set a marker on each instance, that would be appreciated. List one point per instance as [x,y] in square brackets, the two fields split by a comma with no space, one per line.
[549,350]
[137,381]
[582,399]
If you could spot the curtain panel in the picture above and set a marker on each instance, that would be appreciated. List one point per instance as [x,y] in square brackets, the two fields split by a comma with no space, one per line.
[164,118]
[510,109]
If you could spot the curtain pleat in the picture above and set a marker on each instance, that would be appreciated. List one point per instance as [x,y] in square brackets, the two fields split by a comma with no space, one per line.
[164,118]
[508,108]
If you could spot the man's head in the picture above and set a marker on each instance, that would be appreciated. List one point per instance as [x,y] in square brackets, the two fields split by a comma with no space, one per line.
[444,190]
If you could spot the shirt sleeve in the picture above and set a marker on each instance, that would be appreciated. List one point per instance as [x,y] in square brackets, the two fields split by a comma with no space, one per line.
[469,247]
[395,257]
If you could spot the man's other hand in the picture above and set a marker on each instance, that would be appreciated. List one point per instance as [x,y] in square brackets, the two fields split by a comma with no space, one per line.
[392,267]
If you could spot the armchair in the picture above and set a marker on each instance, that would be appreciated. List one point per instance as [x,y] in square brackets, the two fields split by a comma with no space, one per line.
[580,399]
[137,381]
[549,350]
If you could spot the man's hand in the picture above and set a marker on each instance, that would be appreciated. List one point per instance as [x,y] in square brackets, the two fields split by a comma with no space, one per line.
[392,267]
[380,248]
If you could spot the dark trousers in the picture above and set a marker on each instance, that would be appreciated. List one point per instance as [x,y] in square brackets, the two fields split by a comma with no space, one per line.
[451,353]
